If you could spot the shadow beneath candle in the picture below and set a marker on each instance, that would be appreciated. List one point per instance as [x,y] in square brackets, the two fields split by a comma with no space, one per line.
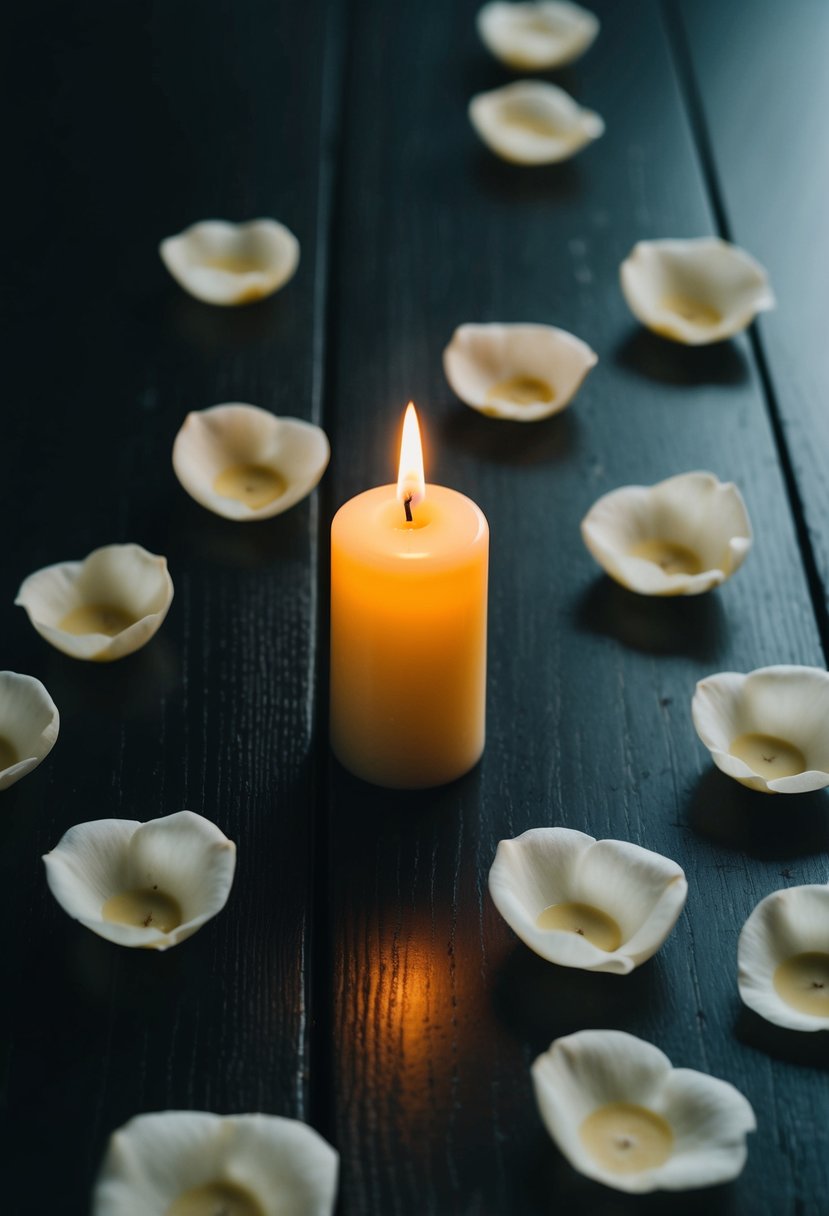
[809,1049]
[514,443]
[378,810]
[768,827]
[539,1001]
[694,626]
[667,362]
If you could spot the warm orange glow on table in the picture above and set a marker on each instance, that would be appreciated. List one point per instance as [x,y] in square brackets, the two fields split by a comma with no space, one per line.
[408,629]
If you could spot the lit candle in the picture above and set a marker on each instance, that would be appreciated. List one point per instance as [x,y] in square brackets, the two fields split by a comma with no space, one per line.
[408,629]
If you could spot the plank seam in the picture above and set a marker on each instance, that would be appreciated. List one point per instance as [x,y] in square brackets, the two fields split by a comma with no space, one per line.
[337,74]
[690,92]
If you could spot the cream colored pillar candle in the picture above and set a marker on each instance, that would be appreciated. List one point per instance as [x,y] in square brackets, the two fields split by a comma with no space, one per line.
[408,629]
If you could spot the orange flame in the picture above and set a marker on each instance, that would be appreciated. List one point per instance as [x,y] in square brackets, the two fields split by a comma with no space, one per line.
[411,483]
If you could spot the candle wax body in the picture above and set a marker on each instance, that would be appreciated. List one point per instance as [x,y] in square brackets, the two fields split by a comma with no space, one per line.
[408,637]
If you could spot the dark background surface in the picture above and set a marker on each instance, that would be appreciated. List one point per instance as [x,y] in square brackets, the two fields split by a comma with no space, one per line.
[359,977]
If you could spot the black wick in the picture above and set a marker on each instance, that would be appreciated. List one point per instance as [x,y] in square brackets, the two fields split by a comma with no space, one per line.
[407,506]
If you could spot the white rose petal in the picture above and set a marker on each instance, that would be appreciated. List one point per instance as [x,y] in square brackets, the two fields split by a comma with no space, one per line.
[104,607]
[519,372]
[532,37]
[264,1164]
[143,884]
[29,724]
[618,901]
[769,729]
[223,263]
[698,1123]
[531,122]
[783,958]
[245,464]
[694,291]
[682,536]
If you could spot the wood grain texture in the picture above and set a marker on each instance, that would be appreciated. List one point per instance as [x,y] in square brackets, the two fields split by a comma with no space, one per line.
[135,123]
[437,1011]
[763,92]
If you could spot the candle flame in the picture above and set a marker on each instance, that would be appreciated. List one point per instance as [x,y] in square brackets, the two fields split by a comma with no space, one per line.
[411,483]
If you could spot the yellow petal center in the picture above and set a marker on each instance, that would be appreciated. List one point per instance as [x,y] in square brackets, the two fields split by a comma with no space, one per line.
[626,1138]
[669,557]
[697,312]
[255,485]
[802,981]
[588,922]
[521,390]
[216,1199]
[525,117]
[233,264]
[146,907]
[96,618]
[768,756]
[8,753]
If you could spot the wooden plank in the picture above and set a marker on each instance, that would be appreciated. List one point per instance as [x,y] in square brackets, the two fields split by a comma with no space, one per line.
[764,109]
[138,122]
[438,1012]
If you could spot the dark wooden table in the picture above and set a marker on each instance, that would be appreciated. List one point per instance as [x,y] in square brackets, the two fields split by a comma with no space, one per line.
[359,977]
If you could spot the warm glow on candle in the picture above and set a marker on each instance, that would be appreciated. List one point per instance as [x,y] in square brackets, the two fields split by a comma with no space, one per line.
[411,482]
[408,629]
